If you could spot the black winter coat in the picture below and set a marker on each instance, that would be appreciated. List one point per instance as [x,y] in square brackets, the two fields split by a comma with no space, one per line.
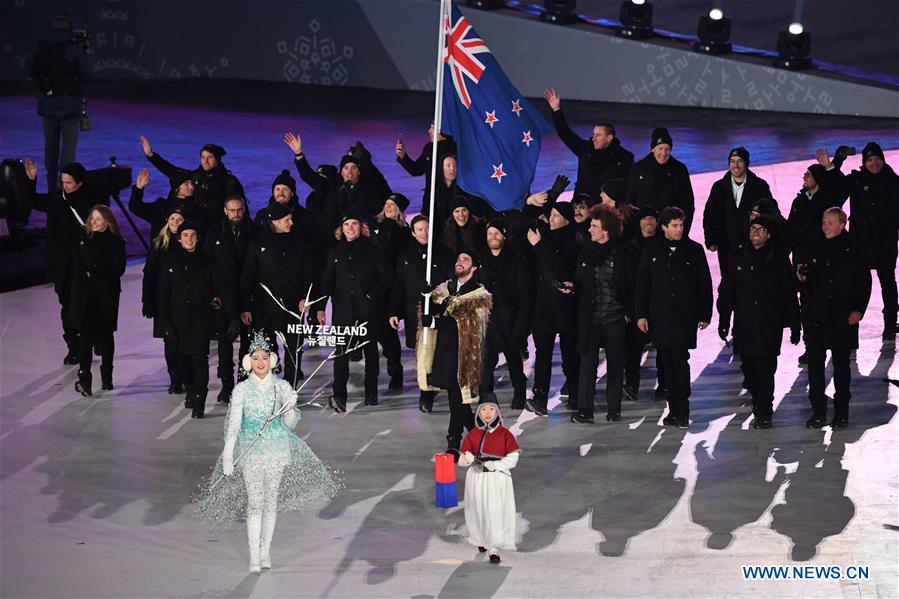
[674,291]
[155,212]
[97,268]
[283,263]
[62,227]
[409,281]
[157,261]
[229,251]
[332,198]
[473,236]
[184,296]
[358,280]
[556,259]
[211,187]
[758,288]
[617,266]
[724,224]
[422,165]
[838,283]
[675,189]
[389,237]
[594,167]
[508,280]
[804,221]
[305,225]
[874,220]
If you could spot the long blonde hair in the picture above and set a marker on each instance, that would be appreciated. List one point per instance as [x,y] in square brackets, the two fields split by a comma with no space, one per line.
[400,218]
[107,215]
[162,241]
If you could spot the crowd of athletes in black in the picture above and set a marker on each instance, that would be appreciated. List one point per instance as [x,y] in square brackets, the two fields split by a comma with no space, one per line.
[613,269]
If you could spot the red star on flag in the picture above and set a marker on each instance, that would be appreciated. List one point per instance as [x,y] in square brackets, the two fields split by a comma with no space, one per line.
[498,173]
[527,138]
[516,107]
[491,118]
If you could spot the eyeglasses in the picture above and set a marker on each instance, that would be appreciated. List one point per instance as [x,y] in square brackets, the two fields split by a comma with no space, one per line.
[757,229]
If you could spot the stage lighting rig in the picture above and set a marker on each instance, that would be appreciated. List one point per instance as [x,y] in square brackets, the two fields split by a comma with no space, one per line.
[713,33]
[636,19]
[794,46]
[559,11]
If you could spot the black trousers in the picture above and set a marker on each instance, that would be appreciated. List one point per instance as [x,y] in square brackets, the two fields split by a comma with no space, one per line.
[612,338]
[390,344]
[461,418]
[635,340]
[544,343]
[56,131]
[195,368]
[676,366]
[172,360]
[886,274]
[225,348]
[759,371]
[342,371]
[69,335]
[105,344]
[842,377]
[492,347]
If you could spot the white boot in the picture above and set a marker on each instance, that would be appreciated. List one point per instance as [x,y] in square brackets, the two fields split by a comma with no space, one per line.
[268,531]
[254,528]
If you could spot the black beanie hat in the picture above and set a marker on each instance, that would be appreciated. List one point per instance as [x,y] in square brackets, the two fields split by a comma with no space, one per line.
[328,170]
[277,211]
[565,209]
[498,224]
[583,198]
[766,221]
[174,210]
[616,189]
[214,149]
[74,170]
[347,159]
[765,206]
[351,214]
[647,210]
[475,260]
[179,177]
[818,172]
[660,135]
[872,149]
[741,152]
[188,225]
[285,179]
[400,200]
[460,201]
[417,219]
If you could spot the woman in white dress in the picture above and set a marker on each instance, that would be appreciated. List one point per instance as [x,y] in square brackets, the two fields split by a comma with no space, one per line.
[266,467]
[491,451]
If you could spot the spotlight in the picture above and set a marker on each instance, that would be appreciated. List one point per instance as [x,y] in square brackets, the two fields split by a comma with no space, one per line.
[713,33]
[484,4]
[636,19]
[793,47]
[559,11]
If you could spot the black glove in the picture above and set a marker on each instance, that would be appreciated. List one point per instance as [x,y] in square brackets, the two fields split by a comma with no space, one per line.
[722,331]
[840,155]
[558,187]
[359,152]
[425,287]
[427,321]
[795,336]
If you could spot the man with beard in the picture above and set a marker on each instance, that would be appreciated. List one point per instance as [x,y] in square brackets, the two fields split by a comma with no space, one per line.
[599,159]
[604,281]
[359,185]
[358,280]
[405,299]
[462,229]
[661,180]
[449,354]
[674,299]
[227,243]
[555,306]
[276,277]
[874,203]
[758,288]
[305,225]
[582,202]
[635,339]
[180,197]
[189,292]
[823,186]
[835,286]
[213,182]
[726,214]
[505,275]
[67,210]
[446,146]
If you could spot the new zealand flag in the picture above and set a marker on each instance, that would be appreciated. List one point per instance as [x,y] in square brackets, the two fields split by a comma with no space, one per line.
[496,130]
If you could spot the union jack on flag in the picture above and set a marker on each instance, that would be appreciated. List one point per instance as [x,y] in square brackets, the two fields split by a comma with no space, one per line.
[497,131]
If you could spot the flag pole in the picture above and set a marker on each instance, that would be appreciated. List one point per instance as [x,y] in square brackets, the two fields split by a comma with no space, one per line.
[438,114]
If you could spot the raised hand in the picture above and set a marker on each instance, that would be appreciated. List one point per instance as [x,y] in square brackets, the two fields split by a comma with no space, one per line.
[294,142]
[553,99]
[143,178]
[822,157]
[30,169]
[400,149]
[145,144]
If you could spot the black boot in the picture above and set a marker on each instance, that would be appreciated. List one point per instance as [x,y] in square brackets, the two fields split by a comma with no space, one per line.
[175,387]
[629,393]
[224,395]
[396,379]
[337,403]
[452,446]
[71,358]
[106,378]
[198,404]
[582,417]
[426,402]
[518,399]
[371,399]
[71,339]
[83,384]
[537,403]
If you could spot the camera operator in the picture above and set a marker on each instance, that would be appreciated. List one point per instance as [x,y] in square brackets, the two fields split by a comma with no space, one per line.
[59,67]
